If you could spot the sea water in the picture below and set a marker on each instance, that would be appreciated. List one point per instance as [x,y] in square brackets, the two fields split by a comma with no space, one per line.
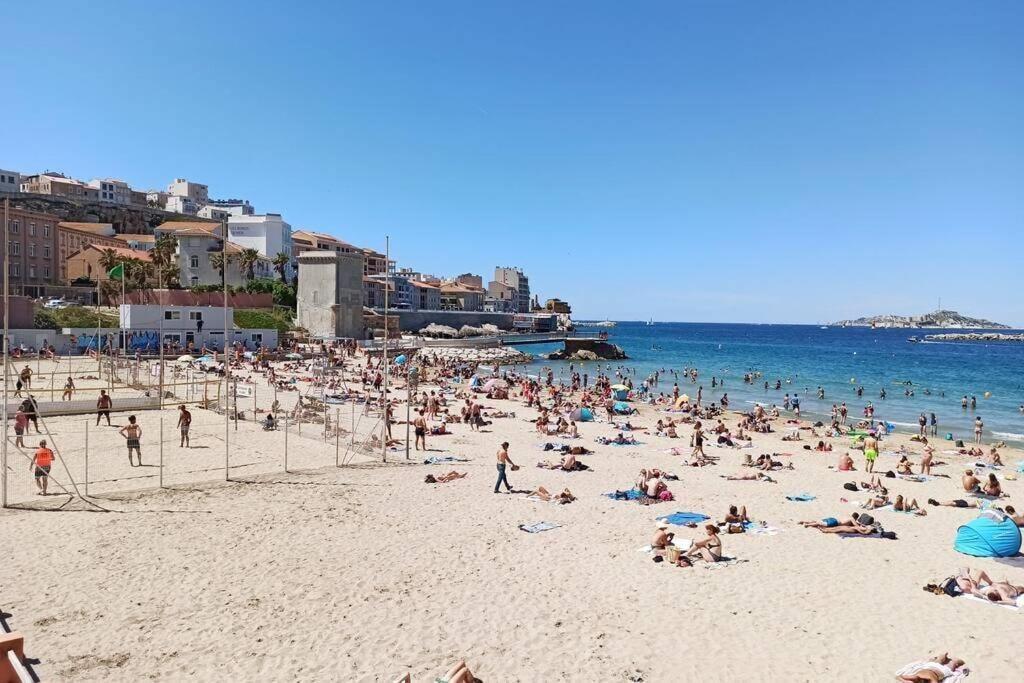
[805,357]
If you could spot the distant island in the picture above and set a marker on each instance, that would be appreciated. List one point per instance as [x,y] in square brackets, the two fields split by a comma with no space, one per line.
[939,319]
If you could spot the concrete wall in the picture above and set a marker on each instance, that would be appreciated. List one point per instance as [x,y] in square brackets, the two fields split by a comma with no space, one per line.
[330,294]
[414,321]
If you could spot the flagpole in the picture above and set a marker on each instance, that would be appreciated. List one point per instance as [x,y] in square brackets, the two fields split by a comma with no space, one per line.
[227,359]
[99,359]
[120,315]
[387,283]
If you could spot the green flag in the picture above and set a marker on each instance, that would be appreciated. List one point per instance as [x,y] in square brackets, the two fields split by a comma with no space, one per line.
[117,272]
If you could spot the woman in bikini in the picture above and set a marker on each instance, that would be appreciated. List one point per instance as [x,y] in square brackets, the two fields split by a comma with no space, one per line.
[902,506]
[708,548]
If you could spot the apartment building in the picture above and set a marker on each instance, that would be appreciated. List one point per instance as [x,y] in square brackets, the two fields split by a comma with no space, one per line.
[10,181]
[376,263]
[516,279]
[308,240]
[458,297]
[58,185]
[30,250]
[197,192]
[112,191]
[426,296]
[268,234]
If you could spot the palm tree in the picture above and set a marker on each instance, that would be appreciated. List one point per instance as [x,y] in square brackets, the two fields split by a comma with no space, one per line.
[218,261]
[138,273]
[108,259]
[281,261]
[163,256]
[247,262]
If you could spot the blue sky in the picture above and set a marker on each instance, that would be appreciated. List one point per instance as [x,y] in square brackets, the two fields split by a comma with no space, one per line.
[706,161]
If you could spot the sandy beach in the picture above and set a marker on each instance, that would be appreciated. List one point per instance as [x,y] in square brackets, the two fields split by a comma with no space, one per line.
[366,573]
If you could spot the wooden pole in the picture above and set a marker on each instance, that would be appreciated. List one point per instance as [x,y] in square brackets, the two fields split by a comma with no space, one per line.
[337,437]
[7,310]
[87,457]
[161,451]
[286,442]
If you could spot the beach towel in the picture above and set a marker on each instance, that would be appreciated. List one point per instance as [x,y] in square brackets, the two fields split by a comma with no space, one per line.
[948,675]
[758,530]
[683,518]
[538,527]
[440,459]
[1015,608]
[800,497]
[876,534]
[632,494]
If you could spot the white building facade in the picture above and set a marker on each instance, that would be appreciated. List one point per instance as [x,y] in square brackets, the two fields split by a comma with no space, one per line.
[198,325]
[112,191]
[10,181]
[268,234]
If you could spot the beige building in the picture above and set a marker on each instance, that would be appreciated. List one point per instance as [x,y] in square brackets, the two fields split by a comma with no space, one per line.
[307,240]
[58,185]
[197,192]
[457,297]
[112,191]
[87,263]
[72,237]
[376,263]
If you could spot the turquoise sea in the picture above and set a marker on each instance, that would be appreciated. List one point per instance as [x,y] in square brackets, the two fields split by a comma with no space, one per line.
[805,357]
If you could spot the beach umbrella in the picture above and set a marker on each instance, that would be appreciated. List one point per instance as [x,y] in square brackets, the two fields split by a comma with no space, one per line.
[293,356]
[400,360]
[620,387]
[185,359]
[495,384]
[684,398]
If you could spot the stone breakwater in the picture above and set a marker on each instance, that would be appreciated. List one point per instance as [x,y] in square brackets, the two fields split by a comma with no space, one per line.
[975,337]
[501,355]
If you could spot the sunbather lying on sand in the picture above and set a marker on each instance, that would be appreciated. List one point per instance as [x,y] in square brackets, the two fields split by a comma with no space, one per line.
[956,503]
[562,498]
[858,523]
[444,478]
[936,669]
[756,476]
[978,583]
[900,505]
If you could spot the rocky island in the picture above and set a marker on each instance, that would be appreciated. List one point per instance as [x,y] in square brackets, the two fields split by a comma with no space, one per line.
[938,319]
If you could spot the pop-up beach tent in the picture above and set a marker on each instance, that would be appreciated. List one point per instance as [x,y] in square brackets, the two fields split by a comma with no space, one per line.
[582,415]
[990,535]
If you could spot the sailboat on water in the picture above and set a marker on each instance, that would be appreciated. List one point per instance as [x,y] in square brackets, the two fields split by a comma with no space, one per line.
[650,322]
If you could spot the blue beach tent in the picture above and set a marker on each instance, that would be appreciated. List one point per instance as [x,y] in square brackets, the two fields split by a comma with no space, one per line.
[620,394]
[990,535]
[582,415]
[622,408]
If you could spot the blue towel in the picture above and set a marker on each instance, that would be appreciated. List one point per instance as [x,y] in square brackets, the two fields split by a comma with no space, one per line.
[802,497]
[683,518]
[632,494]
[538,527]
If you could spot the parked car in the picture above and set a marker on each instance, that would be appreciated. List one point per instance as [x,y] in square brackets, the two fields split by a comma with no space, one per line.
[59,303]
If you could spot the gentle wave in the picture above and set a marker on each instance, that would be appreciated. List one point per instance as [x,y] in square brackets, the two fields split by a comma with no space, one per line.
[1009,435]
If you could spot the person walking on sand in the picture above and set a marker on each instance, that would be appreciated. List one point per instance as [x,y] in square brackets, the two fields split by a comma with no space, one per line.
[69,389]
[103,406]
[132,433]
[503,462]
[31,410]
[40,467]
[20,423]
[184,422]
[26,377]
[979,426]
[420,426]
[698,441]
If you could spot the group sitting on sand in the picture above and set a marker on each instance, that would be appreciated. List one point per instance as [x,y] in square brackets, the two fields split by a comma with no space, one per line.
[708,548]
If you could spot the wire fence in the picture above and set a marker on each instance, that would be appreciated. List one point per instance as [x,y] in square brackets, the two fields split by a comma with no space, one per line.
[228,437]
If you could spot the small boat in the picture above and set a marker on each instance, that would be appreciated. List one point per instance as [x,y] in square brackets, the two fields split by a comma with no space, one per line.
[913,340]
[823,327]
[650,322]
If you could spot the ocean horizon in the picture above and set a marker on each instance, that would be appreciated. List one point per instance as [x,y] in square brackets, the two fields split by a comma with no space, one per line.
[917,378]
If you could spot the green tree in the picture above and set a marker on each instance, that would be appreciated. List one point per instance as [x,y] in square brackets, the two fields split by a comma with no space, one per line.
[163,255]
[281,261]
[247,262]
[219,261]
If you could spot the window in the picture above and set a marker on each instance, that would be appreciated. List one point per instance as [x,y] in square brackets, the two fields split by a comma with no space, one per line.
[193,262]
[31,229]
[15,270]
[257,337]
[46,252]
[46,272]
[193,280]
[195,315]
[315,297]
[172,315]
[32,271]
[15,227]
[176,338]
[15,248]
[32,249]
[46,229]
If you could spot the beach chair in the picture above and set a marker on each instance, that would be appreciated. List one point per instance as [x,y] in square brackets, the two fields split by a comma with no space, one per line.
[12,659]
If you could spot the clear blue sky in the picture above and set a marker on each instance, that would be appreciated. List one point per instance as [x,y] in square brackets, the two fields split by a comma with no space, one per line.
[708,161]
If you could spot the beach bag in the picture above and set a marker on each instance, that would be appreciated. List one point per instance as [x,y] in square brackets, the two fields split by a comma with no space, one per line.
[959,443]
[850,486]
[891,535]
[666,495]
[672,552]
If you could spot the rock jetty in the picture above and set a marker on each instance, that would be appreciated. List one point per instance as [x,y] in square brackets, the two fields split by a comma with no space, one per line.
[502,355]
[598,351]
[975,337]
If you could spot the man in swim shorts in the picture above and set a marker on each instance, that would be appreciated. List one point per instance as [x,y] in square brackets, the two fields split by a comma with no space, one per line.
[103,406]
[184,423]
[420,425]
[40,467]
[870,453]
[132,433]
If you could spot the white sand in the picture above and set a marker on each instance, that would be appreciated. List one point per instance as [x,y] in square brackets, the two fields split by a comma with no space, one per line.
[364,573]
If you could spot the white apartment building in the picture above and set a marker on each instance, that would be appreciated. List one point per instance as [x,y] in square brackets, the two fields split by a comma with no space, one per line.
[213,213]
[10,181]
[112,191]
[196,268]
[183,205]
[234,207]
[517,280]
[268,234]
[197,192]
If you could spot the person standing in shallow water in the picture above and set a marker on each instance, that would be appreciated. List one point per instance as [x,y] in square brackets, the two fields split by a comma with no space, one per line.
[503,462]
